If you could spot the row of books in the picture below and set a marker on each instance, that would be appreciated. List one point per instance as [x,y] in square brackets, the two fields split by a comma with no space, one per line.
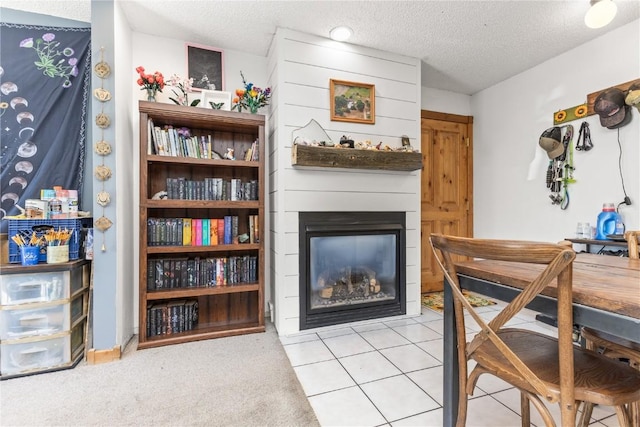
[201,231]
[253,153]
[182,273]
[169,141]
[165,318]
[212,189]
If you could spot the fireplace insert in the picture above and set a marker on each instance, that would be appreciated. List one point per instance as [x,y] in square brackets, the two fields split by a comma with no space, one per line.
[352,266]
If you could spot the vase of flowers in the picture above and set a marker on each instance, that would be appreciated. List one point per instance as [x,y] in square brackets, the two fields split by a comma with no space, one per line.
[151,83]
[182,88]
[250,97]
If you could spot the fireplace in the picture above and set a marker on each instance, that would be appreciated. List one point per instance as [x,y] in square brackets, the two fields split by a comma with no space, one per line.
[352,266]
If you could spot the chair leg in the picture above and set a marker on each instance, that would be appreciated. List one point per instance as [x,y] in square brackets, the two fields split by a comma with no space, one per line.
[585,418]
[623,416]
[462,410]
[540,406]
[634,412]
[525,410]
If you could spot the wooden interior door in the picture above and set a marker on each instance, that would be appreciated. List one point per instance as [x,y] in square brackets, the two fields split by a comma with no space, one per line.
[447,186]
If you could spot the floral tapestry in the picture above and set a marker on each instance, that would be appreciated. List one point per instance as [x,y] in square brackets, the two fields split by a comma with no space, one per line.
[44,84]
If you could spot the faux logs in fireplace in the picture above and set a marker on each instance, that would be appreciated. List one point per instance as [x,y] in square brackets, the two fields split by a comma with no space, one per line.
[352,266]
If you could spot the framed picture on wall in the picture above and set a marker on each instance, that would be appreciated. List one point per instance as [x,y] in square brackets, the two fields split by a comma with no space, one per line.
[352,102]
[205,65]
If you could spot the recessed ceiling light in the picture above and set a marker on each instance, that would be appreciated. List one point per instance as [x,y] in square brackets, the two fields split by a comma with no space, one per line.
[341,33]
[600,13]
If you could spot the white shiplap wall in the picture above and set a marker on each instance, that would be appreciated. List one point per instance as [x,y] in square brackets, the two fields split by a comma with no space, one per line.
[300,67]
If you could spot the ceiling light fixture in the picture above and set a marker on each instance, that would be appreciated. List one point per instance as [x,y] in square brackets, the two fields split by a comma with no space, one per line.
[600,13]
[341,33]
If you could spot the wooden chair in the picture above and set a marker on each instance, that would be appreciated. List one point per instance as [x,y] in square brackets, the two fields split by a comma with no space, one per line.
[615,347]
[543,368]
[632,243]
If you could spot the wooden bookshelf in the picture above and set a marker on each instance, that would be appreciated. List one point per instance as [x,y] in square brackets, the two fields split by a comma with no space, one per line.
[222,291]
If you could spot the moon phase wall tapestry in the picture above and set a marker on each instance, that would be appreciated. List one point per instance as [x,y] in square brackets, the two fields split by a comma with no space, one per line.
[44,82]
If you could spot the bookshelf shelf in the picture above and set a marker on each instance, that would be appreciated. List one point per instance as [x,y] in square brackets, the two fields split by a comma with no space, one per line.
[203,333]
[220,204]
[185,293]
[202,249]
[197,281]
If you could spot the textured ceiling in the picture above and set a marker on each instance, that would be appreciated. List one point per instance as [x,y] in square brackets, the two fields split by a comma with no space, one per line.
[465,46]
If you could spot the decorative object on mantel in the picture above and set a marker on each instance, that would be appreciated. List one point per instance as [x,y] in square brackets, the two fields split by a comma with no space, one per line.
[327,157]
[352,102]
[311,134]
[183,87]
[251,97]
[152,83]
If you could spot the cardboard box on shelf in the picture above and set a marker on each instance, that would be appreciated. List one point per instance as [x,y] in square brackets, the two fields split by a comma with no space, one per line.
[36,209]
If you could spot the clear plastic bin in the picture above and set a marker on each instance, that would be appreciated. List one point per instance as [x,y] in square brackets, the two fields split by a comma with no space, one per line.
[34,287]
[18,322]
[22,356]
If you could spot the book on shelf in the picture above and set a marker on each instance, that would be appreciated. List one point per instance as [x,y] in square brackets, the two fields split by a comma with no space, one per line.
[197,226]
[206,236]
[221,231]
[234,229]
[228,230]
[173,147]
[186,231]
[252,237]
[256,229]
[213,232]
[255,154]
[151,149]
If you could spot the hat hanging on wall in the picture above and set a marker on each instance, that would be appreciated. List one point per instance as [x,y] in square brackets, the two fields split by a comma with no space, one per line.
[550,141]
[610,106]
[633,96]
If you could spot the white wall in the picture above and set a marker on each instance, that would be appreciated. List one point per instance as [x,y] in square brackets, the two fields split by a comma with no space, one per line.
[508,120]
[300,67]
[445,101]
[127,272]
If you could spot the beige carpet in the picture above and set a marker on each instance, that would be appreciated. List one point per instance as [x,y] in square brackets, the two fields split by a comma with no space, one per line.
[236,381]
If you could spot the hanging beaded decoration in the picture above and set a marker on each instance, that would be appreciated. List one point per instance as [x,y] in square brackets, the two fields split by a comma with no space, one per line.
[102,147]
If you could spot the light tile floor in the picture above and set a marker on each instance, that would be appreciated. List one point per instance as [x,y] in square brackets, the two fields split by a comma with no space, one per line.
[389,373]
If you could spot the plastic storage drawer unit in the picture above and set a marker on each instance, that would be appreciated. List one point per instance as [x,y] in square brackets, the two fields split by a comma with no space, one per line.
[33,287]
[34,354]
[20,321]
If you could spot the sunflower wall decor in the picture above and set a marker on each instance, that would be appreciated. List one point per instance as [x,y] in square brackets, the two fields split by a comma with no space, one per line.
[570,114]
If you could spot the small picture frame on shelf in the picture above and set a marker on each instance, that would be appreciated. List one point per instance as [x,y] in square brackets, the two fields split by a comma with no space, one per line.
[352,102]
[215,99]
[205,65]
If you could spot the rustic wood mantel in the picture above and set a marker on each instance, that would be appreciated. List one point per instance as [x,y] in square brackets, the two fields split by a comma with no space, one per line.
[352,158]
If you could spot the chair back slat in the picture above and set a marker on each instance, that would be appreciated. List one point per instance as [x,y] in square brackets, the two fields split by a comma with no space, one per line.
[632,243]
[558,265]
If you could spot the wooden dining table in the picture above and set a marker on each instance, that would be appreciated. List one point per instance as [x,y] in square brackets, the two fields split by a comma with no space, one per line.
[606,297]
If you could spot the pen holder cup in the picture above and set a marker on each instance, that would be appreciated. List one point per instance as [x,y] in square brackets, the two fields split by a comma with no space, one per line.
[30,255]
[57,254]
